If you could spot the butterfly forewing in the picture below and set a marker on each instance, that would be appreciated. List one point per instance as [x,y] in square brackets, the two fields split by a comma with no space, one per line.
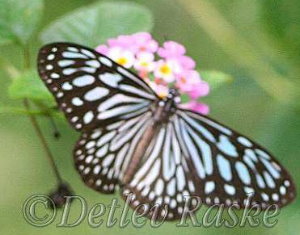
[91,89]
[230,167]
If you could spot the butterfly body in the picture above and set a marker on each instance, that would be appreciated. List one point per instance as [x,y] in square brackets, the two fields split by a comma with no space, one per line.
[161,112]
[148,146]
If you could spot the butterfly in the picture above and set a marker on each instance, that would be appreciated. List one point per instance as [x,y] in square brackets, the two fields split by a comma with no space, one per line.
[149,147]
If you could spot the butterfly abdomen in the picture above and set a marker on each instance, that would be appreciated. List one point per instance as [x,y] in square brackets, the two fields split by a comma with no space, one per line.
[158,118]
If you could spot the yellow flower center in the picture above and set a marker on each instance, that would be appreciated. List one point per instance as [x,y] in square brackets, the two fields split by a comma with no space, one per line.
[122,61]
[144,64]
[165,69]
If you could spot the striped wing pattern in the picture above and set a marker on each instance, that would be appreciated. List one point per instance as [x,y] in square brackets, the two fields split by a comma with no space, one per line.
[230,167]
[164,179]
[91,89]
[194,160]
[102,154]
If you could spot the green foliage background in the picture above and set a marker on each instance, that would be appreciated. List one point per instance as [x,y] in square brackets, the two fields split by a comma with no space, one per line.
[254,43]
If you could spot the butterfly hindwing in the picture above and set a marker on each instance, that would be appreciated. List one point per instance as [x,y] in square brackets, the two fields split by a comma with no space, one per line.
[194,159]
[163,183]
[91,89]
[102,155]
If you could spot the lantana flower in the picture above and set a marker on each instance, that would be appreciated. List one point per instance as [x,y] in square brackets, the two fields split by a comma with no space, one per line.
[144,62]
[121,56]
[160,67]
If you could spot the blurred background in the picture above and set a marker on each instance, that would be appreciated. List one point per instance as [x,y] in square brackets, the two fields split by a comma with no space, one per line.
[255,42]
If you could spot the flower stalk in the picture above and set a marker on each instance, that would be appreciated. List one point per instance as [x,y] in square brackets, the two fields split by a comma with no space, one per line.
[36,126]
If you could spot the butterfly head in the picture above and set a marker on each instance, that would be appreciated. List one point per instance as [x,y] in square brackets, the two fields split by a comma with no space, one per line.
[170,102]
[174,96]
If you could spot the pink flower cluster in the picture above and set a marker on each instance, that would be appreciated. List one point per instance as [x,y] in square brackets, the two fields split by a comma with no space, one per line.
[161,67]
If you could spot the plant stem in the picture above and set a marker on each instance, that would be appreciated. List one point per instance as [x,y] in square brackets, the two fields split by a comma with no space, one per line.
[240,50]
[43,141]
[35,124]
[26,52]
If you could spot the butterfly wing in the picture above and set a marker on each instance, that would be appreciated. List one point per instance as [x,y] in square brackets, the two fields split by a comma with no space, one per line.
[102,155]
[91,89]
[163,179]
[194,155]
[230,167]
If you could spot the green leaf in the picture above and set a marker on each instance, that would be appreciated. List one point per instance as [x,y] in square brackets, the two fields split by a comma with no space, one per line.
[96,23]
[19,19]
[30,86]
[215,79]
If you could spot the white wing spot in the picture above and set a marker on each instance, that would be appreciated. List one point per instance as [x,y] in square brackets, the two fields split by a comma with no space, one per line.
[243,172]
[275,196]
[93,63]
[89,159]
[224,167]
[226,146]
[209,187]
[74,49]
[73,55]
[74,119]
[49,67]
[77,101]
[69,71]
[229,189]
[67,86]
[270,167]
[96,134]
[51,57]
[111,79]
[249,191]
[106,138]
[54,75]
[59,94]
[102,151]
[83,80]
[88,53]
[90,144]
[88,117]
[65,63]
[282,190]
[159,187]
[106,61]
[250,153]
[171,187]
[244,141]
[260,181]
[265,197]
[262,154]
[97,170]
[107,160]
[180,178]
[287,183]
[269,180]
[96,93]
